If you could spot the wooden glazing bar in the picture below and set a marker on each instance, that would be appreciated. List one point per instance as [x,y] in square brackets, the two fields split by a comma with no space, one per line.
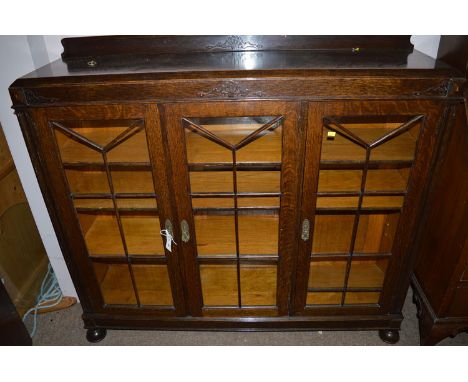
[206,134]
[340,256]
[231,194]
[225,260]
[123,211]
[358,165]
[394,133]
[355,225]
[357,193]
[352,210]
[245,166]
[117,195]
[344,289]
[236,229]
[260,132]
[100,166]
[148,259]
[78,137]
[343,131]
[133,129]
[239,211]
[119,224]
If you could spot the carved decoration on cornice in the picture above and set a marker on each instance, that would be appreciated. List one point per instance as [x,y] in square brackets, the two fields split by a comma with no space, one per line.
[441,90]
[33,98]
[230,89]
[234,43]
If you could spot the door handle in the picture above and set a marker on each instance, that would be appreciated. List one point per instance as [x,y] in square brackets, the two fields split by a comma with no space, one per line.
[305,231]
[184,227]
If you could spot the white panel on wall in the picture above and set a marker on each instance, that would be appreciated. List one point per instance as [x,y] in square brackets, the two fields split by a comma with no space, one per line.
[426,44]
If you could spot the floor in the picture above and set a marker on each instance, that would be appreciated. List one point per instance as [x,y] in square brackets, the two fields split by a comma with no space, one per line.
[66,328]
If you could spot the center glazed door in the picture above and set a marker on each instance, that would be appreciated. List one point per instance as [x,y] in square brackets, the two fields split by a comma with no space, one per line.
[235,168]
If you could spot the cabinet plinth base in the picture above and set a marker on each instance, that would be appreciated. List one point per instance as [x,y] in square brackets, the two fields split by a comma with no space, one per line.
[95,334]
[389,336]
[433,329]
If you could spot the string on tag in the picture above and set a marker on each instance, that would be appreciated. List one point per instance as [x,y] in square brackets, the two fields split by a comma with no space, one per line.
[169,239]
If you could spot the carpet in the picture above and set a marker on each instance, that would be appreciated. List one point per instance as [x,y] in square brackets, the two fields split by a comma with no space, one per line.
[66,328]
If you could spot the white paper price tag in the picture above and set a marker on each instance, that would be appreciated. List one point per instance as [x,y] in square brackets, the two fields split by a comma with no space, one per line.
[169,239]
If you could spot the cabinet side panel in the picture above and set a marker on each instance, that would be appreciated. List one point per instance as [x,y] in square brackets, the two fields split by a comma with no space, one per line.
[444,230]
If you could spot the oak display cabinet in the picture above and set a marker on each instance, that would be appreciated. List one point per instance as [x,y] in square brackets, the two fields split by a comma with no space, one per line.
[237,182]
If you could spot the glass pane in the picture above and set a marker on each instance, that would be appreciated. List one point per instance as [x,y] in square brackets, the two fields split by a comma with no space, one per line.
[101,234]
[123,140]
[336,148]
[219,285]
[213,202]
[131,203]
[323,298]
[87,182]
[258,181]
[268,148]
[211,181]
[258,284]
[72,151]
[362,297]
[339,180]
[94,203]
[367,273]
[259,202]
[332,233]
[383,202]
[341,136]
[376,233]
[337,202]
[133,150]
[327,274]
[132,181]
[115,283]
[400,148]
[215,235]
[387,180]
[142,235]
[202,150]
[258,234]
[152,282]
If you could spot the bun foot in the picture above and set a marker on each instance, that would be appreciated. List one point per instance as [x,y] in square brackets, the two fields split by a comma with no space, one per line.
[389,336]
[96,334]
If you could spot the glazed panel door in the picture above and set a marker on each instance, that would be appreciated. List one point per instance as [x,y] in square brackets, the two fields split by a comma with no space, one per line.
[366,164]
[111,197]
[236,177]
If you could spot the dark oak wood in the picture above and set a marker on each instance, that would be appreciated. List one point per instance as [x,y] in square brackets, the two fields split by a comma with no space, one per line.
[77,114]
[12,329]
[85,47]
[439,281]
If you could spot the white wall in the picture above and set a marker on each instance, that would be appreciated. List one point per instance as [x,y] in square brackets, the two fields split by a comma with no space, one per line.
[23,54]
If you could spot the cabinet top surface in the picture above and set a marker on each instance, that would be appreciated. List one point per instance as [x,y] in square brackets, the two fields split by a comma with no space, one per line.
[165,57]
